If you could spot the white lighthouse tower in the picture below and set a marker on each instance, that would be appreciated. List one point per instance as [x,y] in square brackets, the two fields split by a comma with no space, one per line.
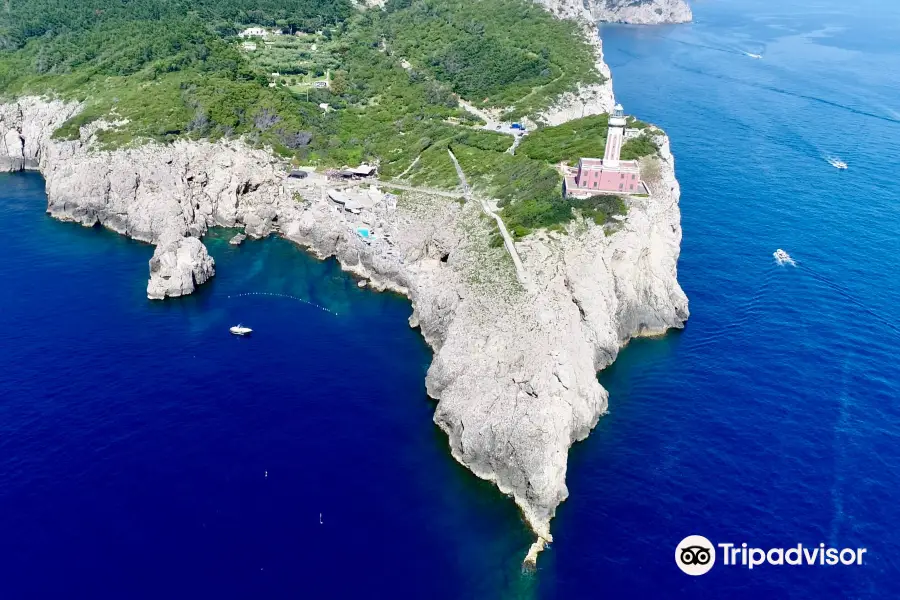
[609,175]
[615,137]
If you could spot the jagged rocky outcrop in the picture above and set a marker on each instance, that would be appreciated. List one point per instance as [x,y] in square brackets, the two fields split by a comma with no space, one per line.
[641,12]
[179,264]
[514,369]
[637,12]
[24,136]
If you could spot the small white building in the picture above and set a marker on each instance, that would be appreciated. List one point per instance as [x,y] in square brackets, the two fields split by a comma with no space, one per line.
[363,170]
[253,32]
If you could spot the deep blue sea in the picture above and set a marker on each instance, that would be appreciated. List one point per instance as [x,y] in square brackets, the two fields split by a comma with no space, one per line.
[147,453]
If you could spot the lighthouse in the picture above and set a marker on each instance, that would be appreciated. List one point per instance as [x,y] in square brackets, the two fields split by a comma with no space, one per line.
[615,137]
[609,175]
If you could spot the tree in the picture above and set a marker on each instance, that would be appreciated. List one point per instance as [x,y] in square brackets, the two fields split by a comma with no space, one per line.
[339,83]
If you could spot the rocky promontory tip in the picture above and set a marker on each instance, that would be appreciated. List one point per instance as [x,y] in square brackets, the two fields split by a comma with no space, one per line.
[177,267]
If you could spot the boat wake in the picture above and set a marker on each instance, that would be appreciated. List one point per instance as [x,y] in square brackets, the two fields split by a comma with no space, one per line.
[751,310]
[783,258]
[836,162]
[777,90]
[285,296]
[848,295]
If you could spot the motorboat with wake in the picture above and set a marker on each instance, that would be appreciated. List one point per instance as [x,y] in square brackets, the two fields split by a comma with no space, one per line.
[240,330]
[783,258]
[751,55]
[837,163]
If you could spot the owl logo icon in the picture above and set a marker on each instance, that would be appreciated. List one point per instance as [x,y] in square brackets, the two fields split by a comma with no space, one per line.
[695,555]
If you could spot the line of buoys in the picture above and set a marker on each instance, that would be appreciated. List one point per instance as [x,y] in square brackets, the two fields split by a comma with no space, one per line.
[287,296]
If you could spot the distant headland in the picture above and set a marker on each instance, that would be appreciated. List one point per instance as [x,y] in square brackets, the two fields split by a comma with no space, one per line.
[635,12]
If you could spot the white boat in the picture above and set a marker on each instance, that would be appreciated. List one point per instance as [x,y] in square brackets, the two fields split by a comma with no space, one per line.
[837,163]
[751,55]
[783,258]
[240,330]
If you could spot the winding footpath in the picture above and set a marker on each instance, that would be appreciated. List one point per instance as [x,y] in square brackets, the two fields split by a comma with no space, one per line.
[521,275]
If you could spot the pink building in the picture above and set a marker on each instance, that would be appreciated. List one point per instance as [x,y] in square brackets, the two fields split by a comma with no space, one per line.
[608,175]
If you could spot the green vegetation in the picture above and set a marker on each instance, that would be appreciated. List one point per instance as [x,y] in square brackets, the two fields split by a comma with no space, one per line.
[300,58]
[575,139]
[553,212]
[506,177]
[600,208]
[167,69]
[26,19]
[635,148]
[434,169]
[529,192]
[504,53]
[567,142]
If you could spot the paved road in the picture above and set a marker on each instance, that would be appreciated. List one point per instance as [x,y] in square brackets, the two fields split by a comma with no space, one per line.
[492,124]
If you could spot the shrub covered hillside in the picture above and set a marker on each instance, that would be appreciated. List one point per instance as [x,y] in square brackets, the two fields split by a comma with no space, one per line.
[167,69]
[496,53]
[25,19]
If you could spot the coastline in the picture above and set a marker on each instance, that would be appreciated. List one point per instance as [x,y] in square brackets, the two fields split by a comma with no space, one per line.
[514,369]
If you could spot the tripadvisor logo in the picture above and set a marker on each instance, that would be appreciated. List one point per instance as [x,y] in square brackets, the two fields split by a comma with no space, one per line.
[696,555]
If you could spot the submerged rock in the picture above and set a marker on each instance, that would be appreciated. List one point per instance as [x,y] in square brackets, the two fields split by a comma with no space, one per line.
[177,267]
[236,240]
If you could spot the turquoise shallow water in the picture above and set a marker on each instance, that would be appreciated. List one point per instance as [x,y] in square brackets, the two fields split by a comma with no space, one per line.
[146,453]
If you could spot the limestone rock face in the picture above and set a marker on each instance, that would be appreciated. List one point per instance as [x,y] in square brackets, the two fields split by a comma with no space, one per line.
[637,12]
[641,12]
[514,369]
[25,130]
[177,267]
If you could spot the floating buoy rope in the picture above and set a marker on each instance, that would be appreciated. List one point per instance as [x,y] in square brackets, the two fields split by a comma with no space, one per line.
[286,296]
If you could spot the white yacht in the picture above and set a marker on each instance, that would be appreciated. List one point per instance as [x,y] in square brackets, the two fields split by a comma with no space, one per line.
[783,258]
[241,330]
[751,55]
[837,163]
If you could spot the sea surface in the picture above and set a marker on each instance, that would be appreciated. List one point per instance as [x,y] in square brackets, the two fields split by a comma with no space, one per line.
[147,453]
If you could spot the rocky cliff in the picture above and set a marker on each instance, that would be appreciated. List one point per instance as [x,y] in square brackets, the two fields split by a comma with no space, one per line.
[586,100]
[514,369]
[637,12]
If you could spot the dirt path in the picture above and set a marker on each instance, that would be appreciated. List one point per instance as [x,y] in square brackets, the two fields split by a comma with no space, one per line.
[507,239]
